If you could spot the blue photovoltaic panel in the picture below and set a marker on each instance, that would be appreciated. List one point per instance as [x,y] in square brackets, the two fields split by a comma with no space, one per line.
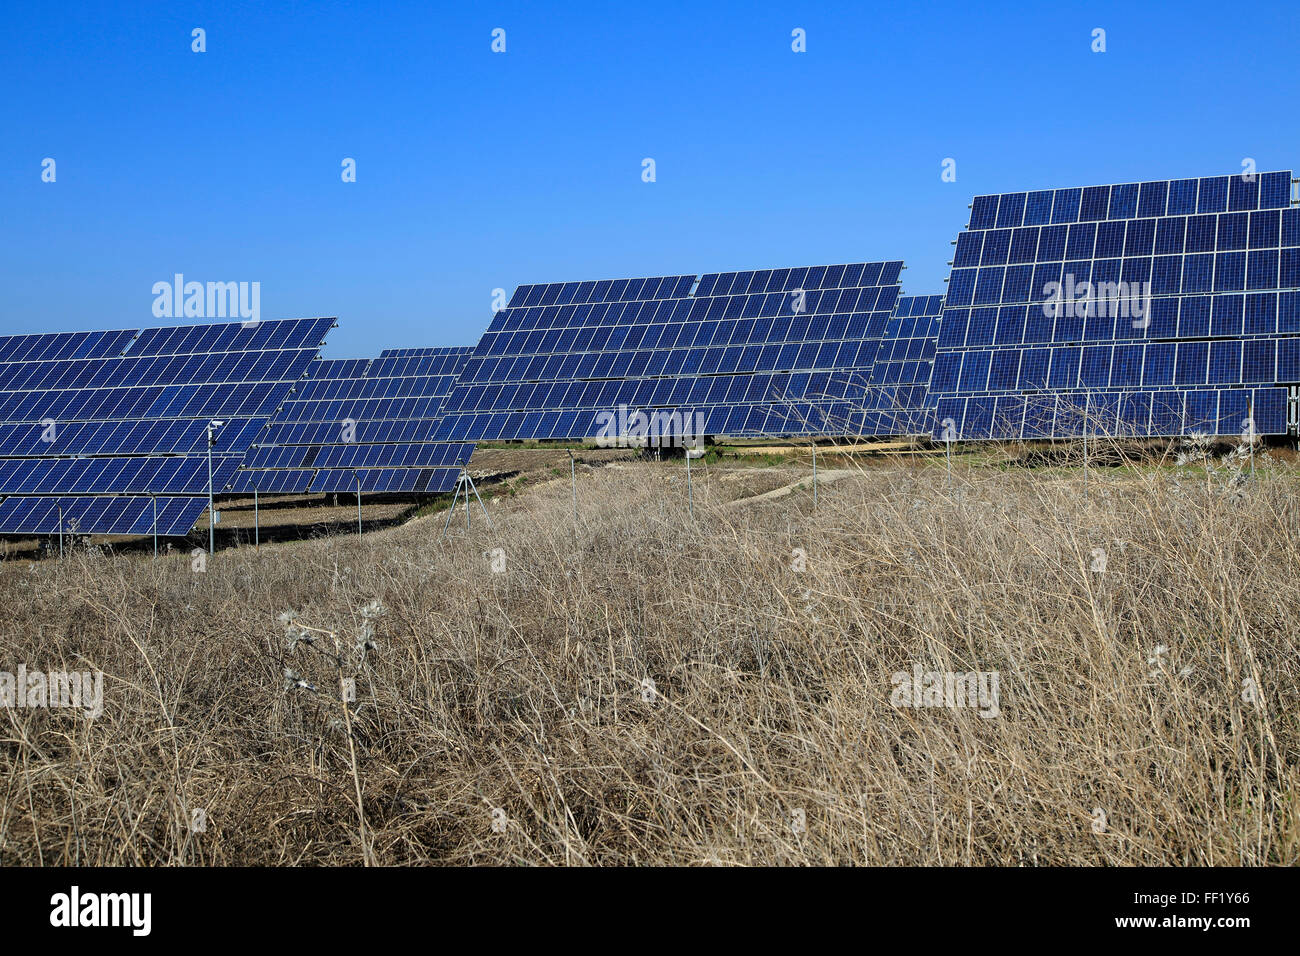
[126,412]
[221,337]
[101,515]
[362,422]
[64,345]
[766,352]
[602,290]
[164,475]
[900,375]
[1148,309]
[445,353]
[129,437]
[389,480]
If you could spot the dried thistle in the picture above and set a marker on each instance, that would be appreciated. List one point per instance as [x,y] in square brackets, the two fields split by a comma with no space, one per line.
[294,681]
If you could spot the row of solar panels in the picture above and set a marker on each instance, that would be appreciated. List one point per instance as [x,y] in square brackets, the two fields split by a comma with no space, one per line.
[1136,414]
[1165,275]
[1266,315]
[1159,198]
[1168,300]
[116,515]
[1175,236]
[369,425]
[1112,367]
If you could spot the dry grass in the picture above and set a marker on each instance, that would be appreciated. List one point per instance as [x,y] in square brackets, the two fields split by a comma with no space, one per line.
[524,690]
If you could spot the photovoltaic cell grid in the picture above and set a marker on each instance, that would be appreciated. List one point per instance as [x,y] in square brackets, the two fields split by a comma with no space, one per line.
[126,412]
[766,352]
[896,401]
[362,421]
[100,515]
[68,424]
[1222,328]
[414,353]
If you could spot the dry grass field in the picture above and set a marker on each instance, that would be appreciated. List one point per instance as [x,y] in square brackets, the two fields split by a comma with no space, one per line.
[641,687]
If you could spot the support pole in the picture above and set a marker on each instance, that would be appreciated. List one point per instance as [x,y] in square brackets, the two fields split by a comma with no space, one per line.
[1087,410]
[257,528]
[358,478]
[470,482]
[814,448]
[212,524]
[155,526]
[1250,424]
[573,480]
[455,497]
[464,484]
[213,425]
[690,495]
[60,529]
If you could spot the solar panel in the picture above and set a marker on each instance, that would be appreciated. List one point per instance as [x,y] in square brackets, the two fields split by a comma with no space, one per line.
[897,397]
[1157,308]
[256,336]
[126,412]
[362,423]
[415,353]
[64,345]
[100,515]
[167,475]
[765,352]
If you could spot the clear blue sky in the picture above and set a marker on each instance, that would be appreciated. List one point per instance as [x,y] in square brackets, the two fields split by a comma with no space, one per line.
[477,170]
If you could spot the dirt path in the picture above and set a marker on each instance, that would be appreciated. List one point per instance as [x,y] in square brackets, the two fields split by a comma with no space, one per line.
[824,477]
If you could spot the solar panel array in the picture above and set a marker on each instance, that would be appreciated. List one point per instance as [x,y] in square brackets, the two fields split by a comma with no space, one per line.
[125,413]
[772,351]
[1019,358]
[1156,308]
[361,423]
